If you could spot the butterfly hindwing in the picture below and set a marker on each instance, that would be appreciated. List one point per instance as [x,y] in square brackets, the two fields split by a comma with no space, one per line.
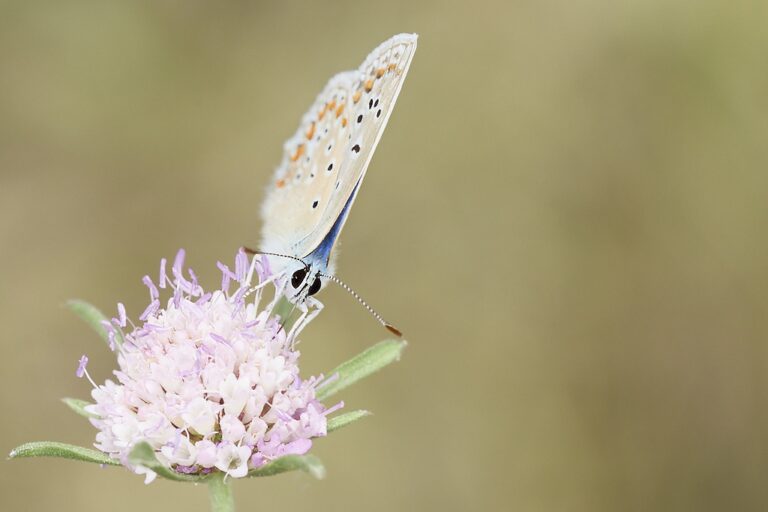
[325,161]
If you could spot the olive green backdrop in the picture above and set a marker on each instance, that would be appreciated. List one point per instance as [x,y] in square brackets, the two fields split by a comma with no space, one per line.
[566,216]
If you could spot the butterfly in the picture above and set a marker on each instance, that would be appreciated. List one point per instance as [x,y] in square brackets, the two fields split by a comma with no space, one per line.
[323,166]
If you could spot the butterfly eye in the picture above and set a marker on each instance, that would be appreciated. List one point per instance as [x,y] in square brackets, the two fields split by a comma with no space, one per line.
[298,277]
[315,286]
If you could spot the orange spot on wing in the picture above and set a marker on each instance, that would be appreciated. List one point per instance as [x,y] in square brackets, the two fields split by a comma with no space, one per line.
[339,110]
[310,130]
[344,122]
[280,183]
[392,67]
[297,154]
[332,105]
[368,85]
[356,96]
[321,114]
[380,72]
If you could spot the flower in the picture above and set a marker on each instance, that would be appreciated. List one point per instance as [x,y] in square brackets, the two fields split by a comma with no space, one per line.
[211,381]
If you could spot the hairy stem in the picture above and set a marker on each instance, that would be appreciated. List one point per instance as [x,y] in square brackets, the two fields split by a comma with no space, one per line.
[220,492]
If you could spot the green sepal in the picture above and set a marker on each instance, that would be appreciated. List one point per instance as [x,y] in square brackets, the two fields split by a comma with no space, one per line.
[61,450]
[307,463]
[362,365]
[93,317]
[342,420]
[79,406]
[142,454]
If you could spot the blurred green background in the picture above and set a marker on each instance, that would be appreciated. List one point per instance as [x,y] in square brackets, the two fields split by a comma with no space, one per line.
[566,216]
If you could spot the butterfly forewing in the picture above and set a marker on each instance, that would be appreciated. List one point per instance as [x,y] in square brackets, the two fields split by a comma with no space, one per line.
[328,156]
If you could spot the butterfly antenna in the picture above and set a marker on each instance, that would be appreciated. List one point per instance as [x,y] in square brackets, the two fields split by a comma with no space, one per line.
[248,250]
[391,328]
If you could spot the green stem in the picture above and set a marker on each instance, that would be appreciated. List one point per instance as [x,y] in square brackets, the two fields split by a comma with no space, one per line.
[220,492]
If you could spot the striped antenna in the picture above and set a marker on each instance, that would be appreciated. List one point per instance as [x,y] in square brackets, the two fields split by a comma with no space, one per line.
[248,250]
[391,328]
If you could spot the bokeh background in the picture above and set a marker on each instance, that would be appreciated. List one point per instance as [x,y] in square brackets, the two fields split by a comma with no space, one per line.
[566,216]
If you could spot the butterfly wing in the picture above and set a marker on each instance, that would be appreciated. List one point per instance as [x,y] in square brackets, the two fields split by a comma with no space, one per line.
[289,211]
[325,161]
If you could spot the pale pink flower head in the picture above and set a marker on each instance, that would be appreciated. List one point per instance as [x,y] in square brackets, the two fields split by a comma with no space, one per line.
[211,380]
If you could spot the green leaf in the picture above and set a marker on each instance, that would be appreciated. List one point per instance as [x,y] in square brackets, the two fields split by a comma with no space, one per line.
[142,454]
[92,317]
[342,420]
[362,365]
[307,463]
[62,450]
[79,406]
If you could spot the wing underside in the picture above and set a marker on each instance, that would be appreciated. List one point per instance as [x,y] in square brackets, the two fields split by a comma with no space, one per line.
[325,161]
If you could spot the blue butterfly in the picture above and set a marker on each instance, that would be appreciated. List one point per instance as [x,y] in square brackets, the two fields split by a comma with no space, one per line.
[324,164]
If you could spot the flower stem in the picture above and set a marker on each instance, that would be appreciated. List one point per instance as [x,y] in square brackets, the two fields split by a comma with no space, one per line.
[220,492]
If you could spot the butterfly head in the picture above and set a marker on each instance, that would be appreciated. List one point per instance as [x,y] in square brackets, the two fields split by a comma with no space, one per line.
[305,281]
[308,277]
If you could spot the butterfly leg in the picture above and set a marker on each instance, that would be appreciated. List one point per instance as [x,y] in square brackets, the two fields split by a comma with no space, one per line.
[310,308]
